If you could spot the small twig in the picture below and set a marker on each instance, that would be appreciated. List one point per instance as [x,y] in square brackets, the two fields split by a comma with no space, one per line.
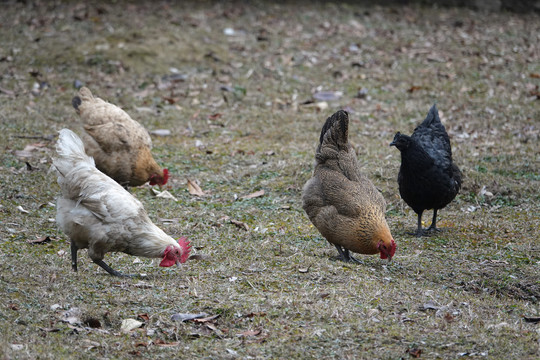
[35,137]
[7,92]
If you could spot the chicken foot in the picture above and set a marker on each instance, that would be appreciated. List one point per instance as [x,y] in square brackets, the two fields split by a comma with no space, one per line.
[344,255]
[109,269]
[432,228]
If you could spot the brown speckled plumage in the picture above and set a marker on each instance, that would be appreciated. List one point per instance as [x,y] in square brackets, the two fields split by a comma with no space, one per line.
[340,201]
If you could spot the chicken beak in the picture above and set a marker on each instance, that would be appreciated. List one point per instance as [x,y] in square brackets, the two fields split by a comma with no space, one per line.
[393,143]
[178,264]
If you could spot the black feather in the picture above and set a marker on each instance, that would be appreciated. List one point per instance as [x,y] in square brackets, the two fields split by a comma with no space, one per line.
[76,102]
[428,178]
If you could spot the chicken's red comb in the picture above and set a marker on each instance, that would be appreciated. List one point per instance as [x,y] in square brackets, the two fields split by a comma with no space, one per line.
[186,248]
[165,176]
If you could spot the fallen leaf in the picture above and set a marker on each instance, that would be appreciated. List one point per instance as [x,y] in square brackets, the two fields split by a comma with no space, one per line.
[160,342]
[161,132]
[194,188]
[143,285]
[40,240]
[29,150]
[319,106]
[71,316]
[303,270]
[200,257]
[327,95]
[253,314]
[415,353]
[533,319]
[186,317]
[14,307]
[49,329]
[430,305]
[414,88]
[89,344]
[249,333]
[214,329]
[21,209]
[253,195]
[141,344]
[535,75]
[240,224]
[144,317]
[163,194]
[130,324]
[206,319]
[215,116]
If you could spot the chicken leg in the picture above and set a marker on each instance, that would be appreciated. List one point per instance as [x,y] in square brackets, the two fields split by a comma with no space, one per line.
[109,269]
[74,250]
[344,255]
[433,226]
[419,231]
[101,263]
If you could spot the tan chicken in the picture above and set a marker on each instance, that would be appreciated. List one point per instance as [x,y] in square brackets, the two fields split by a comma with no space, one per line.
[120,146]
[343,203]
[99,214]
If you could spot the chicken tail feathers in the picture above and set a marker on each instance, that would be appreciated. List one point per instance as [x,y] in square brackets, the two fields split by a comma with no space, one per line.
[70,151]
[336,130]
[432,119]
[76,102]
[85,95]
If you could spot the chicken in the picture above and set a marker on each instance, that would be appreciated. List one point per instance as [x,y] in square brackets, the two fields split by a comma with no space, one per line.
[428,179]
[343,203]
[120,146]
[97,213]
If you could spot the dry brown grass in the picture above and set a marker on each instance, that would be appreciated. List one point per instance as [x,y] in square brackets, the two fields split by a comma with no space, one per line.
[277,288]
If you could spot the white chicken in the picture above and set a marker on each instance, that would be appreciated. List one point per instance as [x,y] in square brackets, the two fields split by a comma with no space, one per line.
[99,214]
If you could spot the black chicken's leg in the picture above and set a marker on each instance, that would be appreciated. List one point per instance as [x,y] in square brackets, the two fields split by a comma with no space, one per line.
[419,232]
[433,226]
[74,250]
[110,270]
[344,254]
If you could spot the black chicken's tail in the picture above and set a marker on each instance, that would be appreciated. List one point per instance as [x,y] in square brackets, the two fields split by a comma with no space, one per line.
[335,130]
[432,117]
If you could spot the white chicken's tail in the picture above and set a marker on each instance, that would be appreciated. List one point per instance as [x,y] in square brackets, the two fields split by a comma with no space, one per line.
[70,149]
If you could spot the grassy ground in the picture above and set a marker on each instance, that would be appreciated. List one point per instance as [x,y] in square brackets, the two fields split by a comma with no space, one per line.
[241,107]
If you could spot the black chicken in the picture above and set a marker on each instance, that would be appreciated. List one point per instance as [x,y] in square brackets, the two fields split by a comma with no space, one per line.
[428,179]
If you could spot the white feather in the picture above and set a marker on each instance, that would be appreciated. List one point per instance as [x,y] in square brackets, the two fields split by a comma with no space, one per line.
[96,212]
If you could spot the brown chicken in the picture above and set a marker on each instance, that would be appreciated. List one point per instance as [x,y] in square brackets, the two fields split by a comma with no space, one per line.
[343,203]
[120,146]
